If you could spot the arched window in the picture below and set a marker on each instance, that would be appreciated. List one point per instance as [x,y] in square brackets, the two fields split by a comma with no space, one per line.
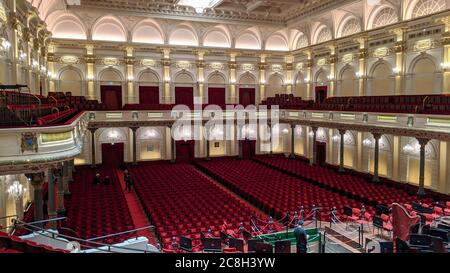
[385,16]
[324,35]
[302,41]
[351,27]
[425,7]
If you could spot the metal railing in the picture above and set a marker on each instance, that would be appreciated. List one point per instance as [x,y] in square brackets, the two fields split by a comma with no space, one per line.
[83,243]
[119,233]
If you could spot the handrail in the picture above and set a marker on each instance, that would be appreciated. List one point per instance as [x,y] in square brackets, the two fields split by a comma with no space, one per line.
[119,233]
[80,240]
[42,221]
[10,216]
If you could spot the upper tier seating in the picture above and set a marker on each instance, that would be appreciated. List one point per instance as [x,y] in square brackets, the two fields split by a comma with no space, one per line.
[287,101]
[180,200]
[351,185]
[275,192]
[97,210]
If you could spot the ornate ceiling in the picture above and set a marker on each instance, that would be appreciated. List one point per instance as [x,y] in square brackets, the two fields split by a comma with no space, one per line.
[253,10]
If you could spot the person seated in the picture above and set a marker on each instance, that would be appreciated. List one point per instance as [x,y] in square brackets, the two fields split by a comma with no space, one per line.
[106,181]
[96,179]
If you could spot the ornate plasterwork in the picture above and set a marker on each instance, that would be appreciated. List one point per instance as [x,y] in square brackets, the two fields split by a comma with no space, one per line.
[381,52]
[110,61]
[424,45]
[425,7]
[29,142]
[183,65]
[276,68]
[69,59]
[216,66]
[347,58]
[150,63]
[385,17]
[247,67]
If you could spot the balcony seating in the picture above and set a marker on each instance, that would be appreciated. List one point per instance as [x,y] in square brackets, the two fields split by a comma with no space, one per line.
[272,191]
[54,118]
[161,107]
[353,186]
[14,244]
[180,200]
[287,101]
[97,210]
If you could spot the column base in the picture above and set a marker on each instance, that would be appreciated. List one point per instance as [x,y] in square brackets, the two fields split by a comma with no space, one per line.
[421,192]
[341,170]
[375,179]
[292,156]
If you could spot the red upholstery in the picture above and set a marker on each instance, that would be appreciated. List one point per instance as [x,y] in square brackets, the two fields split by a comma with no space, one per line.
[180,200]
[275,192]
[97,210]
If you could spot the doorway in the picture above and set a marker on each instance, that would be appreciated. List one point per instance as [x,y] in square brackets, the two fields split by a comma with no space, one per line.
[321,93]
[148,95]
[216,96]
[248,148]
[112,155]
[184,95]
[111,96]
[321,153]
[185,151]
[247,96]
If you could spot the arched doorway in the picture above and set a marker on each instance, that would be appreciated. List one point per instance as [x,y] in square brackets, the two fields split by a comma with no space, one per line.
[423,77]
[247,91]
[184,90]
[275,85]
[321,89]
[347,83]
[148,88]
[216,90]
[111,89]
[70,81]
[112,155]
[382,83]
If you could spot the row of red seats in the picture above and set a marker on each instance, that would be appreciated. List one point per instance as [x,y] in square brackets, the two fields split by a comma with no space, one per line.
[97,210]
[273,191]
[352,185]
[287,101]
[180,200]
[53,118]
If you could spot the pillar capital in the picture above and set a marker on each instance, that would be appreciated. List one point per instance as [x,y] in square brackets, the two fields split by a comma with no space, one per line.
[342,131]
[314,128]
[376,135]
[37,180]
[134,128]
[92,130]
[423,141]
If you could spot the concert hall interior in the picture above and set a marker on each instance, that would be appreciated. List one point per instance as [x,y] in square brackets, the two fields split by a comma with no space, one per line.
[224,126]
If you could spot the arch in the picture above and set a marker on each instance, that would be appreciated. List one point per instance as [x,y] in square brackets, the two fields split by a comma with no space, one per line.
[184,77]
[347,82]
[217,37]
[109,28]
[110,75]
[71,80]
[147,32]
[349,26]
[64,25]
[321,77]
[277,42]
[423,72]
[148,76]
[381,79]
[216,78]
[419,8]
[247,79]
[322,34]
[115,134]
[300,85]
[248,40]
[183,34]
[275,85]
[153,133]
[382,16]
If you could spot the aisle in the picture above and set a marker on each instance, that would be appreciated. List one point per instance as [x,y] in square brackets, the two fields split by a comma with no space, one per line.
[136,211]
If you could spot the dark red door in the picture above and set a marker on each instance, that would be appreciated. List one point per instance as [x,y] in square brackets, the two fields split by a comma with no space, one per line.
[321,93]
[321,153]
[148,95]
[248,148]
[185,151]
[184,95]
[246,96]
[111,96]
[216,96]
[112,155]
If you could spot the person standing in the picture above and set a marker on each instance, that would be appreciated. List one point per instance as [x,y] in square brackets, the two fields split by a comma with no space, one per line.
[128,180]
[97,179]
[301,237]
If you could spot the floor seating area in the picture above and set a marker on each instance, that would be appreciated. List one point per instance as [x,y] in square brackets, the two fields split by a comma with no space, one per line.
[97,210]
[351,185]
[273,191]
[180,200]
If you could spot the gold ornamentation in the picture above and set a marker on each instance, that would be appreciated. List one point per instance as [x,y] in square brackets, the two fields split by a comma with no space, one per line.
[110,61]
[248,67]
[200,64]
[276,67]
[129,60]
[69,59]
[232,65]
[347,58]
[183,65]
[29,142]
[445,40]
[216,66]
[333,59]
[400,46]
[166,62]
[299,66]
[381,52]
[423,45]
[321,62]
[148,63]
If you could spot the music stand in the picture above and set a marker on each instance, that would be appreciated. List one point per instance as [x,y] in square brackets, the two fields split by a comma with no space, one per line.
[441,233]
[263,248]
[237,243]
[283,246]
[252,243]
[212,244]
[185,243]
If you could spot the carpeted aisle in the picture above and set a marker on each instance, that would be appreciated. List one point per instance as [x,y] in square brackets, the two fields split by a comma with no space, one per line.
[137,213]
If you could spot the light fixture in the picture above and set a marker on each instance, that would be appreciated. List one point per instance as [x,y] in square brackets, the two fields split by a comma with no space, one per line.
[445,66]
[299,130]
[306,80]
[90,77]
[199,9]
[199,5]
[285,131]
[330,77]
[233,81]
[367,142]
[336,138]
[6,44]
[396,70]
[16,190]
[359,74]
[311,134]
[22,56]
[130,78]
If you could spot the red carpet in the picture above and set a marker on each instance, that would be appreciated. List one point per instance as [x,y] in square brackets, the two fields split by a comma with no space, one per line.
[137,214]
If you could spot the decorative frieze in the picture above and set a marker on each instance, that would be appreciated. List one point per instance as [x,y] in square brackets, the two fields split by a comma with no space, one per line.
[277,68]
[248,67]
[69,59]
[166,62]
[232,65]
[183,65]
[216,66]
[445,40]
[381,52]
[201,64]
[321,62]
[130,60]
[149,63]
[110,61]
[424,45]
[347,58]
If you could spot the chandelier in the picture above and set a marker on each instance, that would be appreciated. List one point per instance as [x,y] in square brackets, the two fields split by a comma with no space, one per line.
[200,5]
[16,190]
